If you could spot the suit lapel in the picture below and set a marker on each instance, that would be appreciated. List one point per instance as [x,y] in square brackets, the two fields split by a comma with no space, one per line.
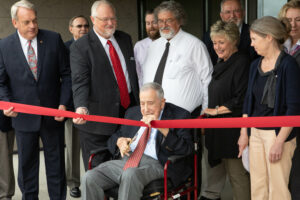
[41,52]
[99,49]
[159,138]
[20,53]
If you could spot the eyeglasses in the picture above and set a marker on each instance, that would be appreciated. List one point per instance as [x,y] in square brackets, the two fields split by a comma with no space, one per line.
[106,19]
[82,25]
[227,12]
[167,21]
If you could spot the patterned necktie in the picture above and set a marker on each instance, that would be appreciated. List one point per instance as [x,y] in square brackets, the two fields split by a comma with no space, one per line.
[121,80]
[135,157]
[161,67]
[32,61]
[292,52]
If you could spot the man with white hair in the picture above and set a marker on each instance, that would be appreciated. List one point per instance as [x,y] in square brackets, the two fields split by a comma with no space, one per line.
[178,60]
[104,77]
[34,70]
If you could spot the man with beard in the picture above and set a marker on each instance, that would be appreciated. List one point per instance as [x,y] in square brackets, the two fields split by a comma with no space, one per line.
[141,47]
[178,60]
[103,76]
[232,11]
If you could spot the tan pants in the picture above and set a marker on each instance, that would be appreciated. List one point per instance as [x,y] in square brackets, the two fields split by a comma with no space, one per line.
[269,181]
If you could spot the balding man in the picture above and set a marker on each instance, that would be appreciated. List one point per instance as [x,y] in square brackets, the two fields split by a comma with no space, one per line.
[78,27]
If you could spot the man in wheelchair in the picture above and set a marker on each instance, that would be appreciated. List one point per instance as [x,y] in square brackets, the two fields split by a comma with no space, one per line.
[143,150]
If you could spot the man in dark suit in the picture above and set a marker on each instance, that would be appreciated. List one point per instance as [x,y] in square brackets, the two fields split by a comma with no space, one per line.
[34,70]
[158,146]
[104,77]
[232,11]
[78,27]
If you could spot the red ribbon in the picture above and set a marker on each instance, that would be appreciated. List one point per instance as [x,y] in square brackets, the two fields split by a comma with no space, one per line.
[235,122]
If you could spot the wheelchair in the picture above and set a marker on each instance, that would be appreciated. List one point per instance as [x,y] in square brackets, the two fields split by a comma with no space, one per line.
[163,188]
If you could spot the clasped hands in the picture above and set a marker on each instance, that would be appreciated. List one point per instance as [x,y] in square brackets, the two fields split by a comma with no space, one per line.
[124,143]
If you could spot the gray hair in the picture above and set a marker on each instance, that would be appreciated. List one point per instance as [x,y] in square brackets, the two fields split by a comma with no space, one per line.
[96,4]
[224,1]
[228,29]
[23,4]
[268,25]
[174,7]
[154,86]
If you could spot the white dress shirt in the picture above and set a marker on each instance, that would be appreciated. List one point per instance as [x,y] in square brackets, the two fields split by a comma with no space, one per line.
[24,44]
[187,72]
[140,53]
[120,54]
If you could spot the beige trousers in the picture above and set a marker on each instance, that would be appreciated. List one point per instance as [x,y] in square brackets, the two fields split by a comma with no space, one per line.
[269,181]
[73,155]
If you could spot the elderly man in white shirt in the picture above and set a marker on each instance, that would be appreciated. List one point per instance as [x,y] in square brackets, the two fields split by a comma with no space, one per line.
[141,47]
[185,66]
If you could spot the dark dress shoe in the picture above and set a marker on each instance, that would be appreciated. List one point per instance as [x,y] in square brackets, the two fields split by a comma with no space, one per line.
[204,198]
[75,192]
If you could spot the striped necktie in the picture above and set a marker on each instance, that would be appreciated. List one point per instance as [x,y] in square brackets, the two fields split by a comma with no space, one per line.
[135,157]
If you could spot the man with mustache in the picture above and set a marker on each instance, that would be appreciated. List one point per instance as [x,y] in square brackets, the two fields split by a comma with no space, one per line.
[141,47]
[103,76]
[178,60]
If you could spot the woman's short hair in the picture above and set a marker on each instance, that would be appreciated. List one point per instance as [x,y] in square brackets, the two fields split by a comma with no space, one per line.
[227,29]
[291,4]
[268,25]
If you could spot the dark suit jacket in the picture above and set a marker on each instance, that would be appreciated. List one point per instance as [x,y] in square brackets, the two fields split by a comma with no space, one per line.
[94,84]
[17,84]
[178,141]
[68,43]
[244,46]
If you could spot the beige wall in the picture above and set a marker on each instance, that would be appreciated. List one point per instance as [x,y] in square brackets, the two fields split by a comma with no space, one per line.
[55,14]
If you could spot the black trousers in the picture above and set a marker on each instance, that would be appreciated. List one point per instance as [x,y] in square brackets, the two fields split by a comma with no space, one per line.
[89,142]
[29,159]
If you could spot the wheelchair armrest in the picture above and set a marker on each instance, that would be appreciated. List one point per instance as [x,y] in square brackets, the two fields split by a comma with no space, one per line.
[99,150]
[174,159]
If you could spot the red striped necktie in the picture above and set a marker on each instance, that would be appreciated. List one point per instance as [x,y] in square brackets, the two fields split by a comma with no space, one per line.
[136,156]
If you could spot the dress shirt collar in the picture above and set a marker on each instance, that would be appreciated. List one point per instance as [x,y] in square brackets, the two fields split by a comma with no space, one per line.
[288,45]
[175,38]
[24,42]
[104,40]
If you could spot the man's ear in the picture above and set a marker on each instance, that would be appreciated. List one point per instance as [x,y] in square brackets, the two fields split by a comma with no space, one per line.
[163,102]
[14,23]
